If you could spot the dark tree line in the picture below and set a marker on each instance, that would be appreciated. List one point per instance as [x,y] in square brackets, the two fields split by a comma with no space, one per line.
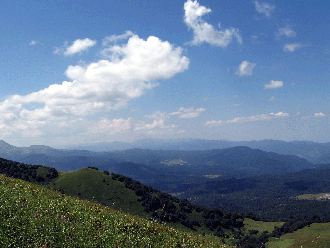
[27,172]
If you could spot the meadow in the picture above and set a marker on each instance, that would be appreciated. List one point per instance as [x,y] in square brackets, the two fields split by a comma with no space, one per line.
[33,216]
[316,235]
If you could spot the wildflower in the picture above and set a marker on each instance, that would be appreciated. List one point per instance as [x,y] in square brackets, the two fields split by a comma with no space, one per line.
[22,205]
[184,245]
[37,215]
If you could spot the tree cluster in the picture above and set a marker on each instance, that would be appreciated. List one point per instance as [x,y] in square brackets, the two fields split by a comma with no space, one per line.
[27,172]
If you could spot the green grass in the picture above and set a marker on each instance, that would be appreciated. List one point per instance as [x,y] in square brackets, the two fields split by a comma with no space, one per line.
[94,185]
[33,216]
[317,235]
[261,226]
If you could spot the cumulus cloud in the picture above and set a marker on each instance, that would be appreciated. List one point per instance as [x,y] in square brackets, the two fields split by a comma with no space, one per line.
[274,85]
[262,117]
[291,47]
[156,124]
[286,31]
[264,8]
[100,86]
[130,125]
[317,115]
[205,32]
[245,68]
[78,46]
[112,126]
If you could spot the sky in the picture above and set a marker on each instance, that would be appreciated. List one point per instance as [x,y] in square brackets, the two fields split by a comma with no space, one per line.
[77,72]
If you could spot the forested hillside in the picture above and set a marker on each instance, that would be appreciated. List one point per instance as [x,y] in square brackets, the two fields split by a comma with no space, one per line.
[130,196]
[267,197]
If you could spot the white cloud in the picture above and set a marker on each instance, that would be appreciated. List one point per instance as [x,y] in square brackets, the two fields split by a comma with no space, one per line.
[188,113]
[274,84]
[183,113]
[317,115]
[116,38]
[79,46]
[112,126]
[272,98]
[292,47]
[134,127]
[286,31]
[101,86]
[33,42]
[157,127]
[154,125]
[245,68]
[205,32]
[264,8]
[262,117]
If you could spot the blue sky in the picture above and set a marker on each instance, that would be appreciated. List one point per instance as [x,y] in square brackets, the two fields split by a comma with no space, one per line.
[78,72]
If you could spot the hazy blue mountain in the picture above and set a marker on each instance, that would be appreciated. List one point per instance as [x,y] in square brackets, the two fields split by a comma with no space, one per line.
[235,161]
[314,152]
[229,162]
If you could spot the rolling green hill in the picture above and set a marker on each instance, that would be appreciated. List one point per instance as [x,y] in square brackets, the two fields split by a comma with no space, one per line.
[94,185]
[123,193]
[33,216]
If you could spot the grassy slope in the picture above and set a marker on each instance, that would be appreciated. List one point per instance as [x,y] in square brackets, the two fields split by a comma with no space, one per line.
[33,216]
[317,235]
[96,186]
[261,226]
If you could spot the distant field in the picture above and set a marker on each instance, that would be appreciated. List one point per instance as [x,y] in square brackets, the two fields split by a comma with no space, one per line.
[260,225]
[320,196]
[317,235]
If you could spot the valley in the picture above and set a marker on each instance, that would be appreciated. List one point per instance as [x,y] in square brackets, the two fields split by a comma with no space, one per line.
[238,196]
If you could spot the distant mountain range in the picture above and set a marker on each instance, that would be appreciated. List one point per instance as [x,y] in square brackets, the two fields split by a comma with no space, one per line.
[318,153]
[239,162]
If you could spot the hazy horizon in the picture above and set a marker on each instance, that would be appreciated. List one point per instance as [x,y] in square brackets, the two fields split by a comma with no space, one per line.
[150,140]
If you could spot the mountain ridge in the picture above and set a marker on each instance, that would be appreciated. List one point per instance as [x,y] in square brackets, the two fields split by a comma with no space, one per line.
[312,151]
